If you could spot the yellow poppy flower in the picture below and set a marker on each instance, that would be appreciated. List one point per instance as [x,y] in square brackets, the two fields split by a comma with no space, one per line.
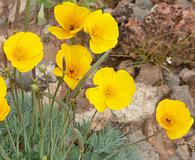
[174,117]
[24,50]
[71,18]
[3,90]
[103,30]
[4,107]
[77,59]
[113,89]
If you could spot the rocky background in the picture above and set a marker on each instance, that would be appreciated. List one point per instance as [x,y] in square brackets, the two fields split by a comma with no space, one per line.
[156,46]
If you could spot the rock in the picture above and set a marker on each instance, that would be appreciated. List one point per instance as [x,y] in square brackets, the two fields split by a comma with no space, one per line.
[144,149]
[191,84]
[144,4]
[161,1]
[131,32]
[127,65]
[174,158]
[182,93]
[143,104]
[100,120]
[149,74]
[193,155]
[171,78]
[183,153]
[1,8]
[140,13]
[186,74]
[185,3]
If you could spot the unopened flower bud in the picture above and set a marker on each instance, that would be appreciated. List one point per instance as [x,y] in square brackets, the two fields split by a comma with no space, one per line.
[35,87]
[42,68]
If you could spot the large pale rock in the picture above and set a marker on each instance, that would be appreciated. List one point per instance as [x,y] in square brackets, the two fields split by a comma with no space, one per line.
[143,103]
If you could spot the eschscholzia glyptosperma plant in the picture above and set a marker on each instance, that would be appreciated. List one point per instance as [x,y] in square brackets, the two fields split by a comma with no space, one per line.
[4,107]
[174,117]
[24,50]
[45,132]
[71,19]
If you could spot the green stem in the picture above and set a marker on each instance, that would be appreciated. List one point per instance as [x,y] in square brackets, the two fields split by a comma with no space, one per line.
[85,78]
[27,13]
[48,88]
[57,100]
[22,87]
[10,136]
[27,146]
[90,124]
[50,115]
[131,144]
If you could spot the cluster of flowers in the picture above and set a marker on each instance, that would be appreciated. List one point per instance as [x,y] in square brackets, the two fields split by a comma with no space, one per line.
[111,89]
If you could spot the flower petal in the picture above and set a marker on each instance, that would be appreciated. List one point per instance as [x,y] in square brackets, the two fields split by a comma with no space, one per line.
[3,90]
[91,21]
[64,13]
[58,72]
[175,134]
[60,33]
[72,83]
[104,76]
[4,109]
[98,46]
[118,102]
[128,85]
[65,53]
[28,64]
[97,98]
[80,51]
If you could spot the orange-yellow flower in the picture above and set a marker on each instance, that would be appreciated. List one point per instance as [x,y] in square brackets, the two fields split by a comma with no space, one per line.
[4,107]
[174,117]
[103,30]
[113,89]
[71,18]
[24,50]
[77,60]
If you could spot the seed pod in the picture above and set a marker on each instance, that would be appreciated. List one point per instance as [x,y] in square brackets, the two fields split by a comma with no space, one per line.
[80,139]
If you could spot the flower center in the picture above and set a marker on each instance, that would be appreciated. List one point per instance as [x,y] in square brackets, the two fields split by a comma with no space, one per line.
[72,72]
[96,32]
[109,92]
[19,54]
[168,121]
[72,27]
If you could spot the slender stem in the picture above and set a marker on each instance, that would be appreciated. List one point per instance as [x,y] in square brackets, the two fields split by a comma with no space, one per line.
[4,60]
[48,88]
[85,78]
[27,146]
[27,13]
[34,73]
[22,87]
[131,144]
[17,13]
[57,100]
[50,115]
[90,124]
[10,135]
[68,149]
